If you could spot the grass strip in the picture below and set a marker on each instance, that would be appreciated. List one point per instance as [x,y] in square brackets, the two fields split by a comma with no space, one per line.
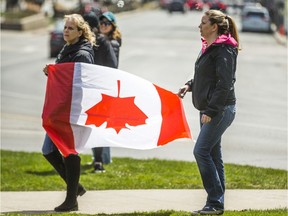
[22,171]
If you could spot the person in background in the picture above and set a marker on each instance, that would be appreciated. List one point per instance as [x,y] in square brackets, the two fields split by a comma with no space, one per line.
[103,55]
[78,48]
[213,95]
[110,30]
[103,51]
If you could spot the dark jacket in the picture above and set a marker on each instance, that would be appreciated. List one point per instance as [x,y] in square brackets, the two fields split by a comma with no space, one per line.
[81,51]
[214,78]
[103,53]
[116,44]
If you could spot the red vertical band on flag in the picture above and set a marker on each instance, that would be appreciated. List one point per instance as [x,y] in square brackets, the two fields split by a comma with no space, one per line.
[174,123]
[57,107]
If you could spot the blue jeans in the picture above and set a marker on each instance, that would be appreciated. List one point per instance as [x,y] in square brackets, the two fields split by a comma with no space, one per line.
[48,146]
[101,154]
[207,152]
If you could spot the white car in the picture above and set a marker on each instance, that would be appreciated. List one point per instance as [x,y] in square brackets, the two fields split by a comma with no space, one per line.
[255,18]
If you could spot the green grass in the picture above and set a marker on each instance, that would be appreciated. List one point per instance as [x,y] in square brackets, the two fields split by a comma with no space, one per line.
[31,172]
[22,171]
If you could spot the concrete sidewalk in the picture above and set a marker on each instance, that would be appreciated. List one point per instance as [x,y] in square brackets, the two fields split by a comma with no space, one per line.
[127,201]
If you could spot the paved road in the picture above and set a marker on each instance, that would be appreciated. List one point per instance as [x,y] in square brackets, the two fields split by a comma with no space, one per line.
[161,48]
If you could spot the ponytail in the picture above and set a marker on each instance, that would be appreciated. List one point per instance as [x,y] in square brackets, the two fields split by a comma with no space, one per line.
[226,25]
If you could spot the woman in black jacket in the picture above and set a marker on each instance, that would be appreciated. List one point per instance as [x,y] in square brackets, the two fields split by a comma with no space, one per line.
[214,96]
[111,32]
[104,55]
[103,51]
[109,28]
[78,48]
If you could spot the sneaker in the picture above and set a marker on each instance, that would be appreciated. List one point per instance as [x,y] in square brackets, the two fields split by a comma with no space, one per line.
[208,210]
[98,167]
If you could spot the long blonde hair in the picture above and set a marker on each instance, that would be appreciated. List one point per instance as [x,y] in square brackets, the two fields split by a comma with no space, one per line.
[224,22]
[83,26]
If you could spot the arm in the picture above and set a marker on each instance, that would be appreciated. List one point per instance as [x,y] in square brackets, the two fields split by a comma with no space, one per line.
[184,89]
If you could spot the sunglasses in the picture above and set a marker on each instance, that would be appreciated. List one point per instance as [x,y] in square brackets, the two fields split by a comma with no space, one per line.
[105,23]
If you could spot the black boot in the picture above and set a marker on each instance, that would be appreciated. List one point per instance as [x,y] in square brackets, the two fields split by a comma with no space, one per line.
[72,165]
[56,160]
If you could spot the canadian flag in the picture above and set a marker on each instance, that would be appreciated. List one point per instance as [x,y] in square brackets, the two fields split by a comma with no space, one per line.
[89,106]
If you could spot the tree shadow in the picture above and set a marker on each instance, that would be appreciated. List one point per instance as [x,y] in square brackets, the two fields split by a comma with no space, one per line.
[41,173]
[85,168]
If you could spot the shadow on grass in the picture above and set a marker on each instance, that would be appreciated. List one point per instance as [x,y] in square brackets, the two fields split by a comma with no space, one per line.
[41,173]
[85,169]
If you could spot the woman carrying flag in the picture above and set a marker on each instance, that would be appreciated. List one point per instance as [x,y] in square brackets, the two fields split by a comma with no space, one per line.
[78,48]
[214,96]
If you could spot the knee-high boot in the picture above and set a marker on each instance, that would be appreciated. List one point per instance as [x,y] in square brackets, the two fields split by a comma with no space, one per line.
[56,160]
[72,165]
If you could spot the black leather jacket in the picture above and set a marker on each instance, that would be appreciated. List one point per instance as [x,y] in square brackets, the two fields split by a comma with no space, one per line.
[104,53]
[81,51]
[116,44]
[214,78]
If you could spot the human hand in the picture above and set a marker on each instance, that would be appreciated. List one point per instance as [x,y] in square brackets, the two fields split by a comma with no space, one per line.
[205,119]
[182,91]
[45,70]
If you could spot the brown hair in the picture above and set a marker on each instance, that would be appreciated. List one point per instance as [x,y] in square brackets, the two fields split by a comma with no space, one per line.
[224,22]
[115,33]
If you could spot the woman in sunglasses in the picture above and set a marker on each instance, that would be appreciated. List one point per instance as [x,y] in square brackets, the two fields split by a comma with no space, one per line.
[110,30]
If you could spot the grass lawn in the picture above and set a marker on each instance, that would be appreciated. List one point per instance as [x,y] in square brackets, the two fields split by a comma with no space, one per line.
[31,172]
[21,171]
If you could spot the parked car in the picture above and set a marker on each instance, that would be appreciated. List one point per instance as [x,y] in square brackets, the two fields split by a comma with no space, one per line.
[249,5]
[56,40]
[217,5]
[195,4]
[177,6]
[255,18]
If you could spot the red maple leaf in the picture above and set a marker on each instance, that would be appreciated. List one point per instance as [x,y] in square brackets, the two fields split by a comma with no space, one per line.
[116,111]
